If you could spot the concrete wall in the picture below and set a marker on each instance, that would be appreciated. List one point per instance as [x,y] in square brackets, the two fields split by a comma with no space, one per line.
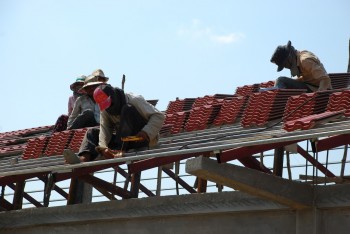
[228,212]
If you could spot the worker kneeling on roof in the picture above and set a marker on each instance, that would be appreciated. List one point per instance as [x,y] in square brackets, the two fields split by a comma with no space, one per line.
[121,115]
[310,72]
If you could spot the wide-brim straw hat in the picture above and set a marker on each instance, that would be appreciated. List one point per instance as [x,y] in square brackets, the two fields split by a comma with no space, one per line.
[97,77]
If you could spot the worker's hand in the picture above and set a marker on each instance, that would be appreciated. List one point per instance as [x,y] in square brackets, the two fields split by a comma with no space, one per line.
[143,135]
[100,149]
[108,153]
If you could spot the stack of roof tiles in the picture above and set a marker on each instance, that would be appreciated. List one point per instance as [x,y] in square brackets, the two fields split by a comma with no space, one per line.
[340,101]
[231,110]
[177,120]
[58,142]
[24,132]
[35,147]
[55,144]
[310,121]
[340,80]
[176,114]
[267,84]
[265,106]
[203,115]
[249,89]
[10,147]
[316,108]
[180,105]
[14,142]
[77,138]
[200,101]
[192,114]
[306,104]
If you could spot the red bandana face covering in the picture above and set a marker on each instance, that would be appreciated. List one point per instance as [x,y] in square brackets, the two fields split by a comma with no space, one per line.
[102,99]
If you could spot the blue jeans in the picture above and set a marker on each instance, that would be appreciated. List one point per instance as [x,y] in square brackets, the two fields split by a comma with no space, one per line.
[283,82]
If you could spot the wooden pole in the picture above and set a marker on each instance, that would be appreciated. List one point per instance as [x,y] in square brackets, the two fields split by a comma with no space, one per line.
[123,81]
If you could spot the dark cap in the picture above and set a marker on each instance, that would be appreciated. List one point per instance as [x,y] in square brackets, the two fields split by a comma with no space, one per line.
[280,55]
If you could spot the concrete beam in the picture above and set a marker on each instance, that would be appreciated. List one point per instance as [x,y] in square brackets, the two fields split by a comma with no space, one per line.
[137,209]
[290,193]
[228,212]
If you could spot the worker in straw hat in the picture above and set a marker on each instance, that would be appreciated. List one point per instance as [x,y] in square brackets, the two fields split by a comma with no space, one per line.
[123,116]
[86,112]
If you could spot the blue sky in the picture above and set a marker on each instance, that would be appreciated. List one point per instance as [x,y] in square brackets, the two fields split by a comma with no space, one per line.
[166,49]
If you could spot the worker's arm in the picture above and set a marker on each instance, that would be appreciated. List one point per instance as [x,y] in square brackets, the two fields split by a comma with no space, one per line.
[154,117]
[318,73]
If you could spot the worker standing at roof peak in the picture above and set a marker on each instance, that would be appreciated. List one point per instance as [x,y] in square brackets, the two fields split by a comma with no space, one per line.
[304,65]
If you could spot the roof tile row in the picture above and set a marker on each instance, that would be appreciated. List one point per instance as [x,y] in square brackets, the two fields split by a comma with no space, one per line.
[266,106]
[312,120]
[55,144]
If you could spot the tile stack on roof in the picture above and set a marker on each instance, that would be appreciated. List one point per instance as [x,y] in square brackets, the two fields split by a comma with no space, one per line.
[176,114]
[231,110]
[311,121]
[180,105]
[306,104]
[178,121]
[11,149]
[200,101]
[35,147]
[202,116]
[249,89]
[14,142]
[265,106]
[10,146]
[24,132]
[58,142]
[77,138]
[55,144]
[340,80]
[202,110]
[267,84]
[340,101]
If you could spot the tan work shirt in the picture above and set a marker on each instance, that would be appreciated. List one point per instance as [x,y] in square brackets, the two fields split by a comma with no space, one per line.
[312,71]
